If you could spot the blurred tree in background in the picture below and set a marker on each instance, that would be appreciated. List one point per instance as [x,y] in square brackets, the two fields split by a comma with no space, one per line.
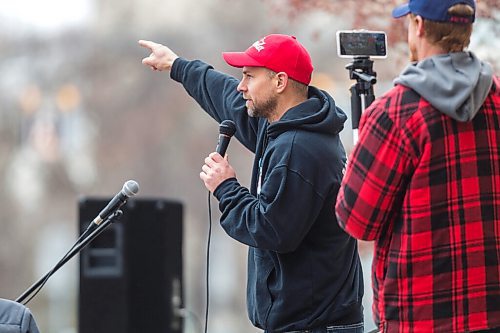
[376,15]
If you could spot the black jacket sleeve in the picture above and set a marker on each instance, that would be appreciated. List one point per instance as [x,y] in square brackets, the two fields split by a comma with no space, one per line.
[278,219]
[217,94]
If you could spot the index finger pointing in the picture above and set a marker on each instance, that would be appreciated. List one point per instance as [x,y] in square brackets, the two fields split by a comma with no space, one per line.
[148,44]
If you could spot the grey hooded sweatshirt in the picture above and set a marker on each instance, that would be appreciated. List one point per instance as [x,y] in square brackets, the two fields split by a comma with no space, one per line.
[456,84]
[16,318]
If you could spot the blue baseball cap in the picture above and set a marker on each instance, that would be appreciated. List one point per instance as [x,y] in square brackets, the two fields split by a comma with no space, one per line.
[435,10]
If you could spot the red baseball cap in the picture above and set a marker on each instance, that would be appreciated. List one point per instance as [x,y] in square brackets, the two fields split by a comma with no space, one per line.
[279,53]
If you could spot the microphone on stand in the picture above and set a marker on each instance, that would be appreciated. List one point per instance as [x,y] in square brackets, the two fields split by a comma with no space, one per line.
[130,188]
[227,128]
[107,215]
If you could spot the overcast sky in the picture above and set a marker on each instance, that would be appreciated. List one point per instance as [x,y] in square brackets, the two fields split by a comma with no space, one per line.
[46,15]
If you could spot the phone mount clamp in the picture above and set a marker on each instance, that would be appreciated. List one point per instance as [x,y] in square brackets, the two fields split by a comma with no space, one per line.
[361,70]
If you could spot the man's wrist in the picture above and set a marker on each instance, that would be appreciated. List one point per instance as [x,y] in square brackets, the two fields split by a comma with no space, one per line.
[219,190]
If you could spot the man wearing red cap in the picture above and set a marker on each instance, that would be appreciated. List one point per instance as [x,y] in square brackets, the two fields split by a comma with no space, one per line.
[304,273]
[423,182]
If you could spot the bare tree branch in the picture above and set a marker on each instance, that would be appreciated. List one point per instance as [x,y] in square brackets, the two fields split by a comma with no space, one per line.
[369,14]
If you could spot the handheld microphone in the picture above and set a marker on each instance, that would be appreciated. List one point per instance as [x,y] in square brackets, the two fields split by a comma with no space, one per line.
[227,128]
[130,188]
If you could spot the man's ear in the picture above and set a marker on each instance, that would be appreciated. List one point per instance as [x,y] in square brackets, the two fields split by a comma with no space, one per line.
[281,81]
[419,25]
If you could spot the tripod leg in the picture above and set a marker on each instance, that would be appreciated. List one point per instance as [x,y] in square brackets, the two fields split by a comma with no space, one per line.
[355,107]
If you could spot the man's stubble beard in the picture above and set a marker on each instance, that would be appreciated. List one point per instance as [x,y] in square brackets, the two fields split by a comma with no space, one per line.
[263,110]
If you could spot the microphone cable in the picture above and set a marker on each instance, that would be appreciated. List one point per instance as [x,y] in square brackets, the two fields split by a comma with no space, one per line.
[208,260]
[227,128]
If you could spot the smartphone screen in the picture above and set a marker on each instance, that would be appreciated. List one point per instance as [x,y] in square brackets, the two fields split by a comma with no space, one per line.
[352,44]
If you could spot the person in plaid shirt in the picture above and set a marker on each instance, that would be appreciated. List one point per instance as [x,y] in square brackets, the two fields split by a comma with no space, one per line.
[423,181]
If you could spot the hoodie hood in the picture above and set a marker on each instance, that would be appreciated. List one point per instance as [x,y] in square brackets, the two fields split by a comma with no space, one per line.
[317,114]
[456,84]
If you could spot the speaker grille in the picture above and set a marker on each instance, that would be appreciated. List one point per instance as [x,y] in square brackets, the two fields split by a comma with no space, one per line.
[131,274]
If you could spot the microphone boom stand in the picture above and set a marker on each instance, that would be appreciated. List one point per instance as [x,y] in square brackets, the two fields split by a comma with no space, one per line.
[361,70]
[75,249]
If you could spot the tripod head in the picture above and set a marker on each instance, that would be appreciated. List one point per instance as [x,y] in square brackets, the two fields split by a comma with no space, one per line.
[361,70]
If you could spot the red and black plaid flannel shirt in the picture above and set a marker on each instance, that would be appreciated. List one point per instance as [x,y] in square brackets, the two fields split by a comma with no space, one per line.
[426,188]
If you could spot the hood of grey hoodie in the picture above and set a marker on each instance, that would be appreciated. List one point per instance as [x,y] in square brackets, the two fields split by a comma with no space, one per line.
[456,84]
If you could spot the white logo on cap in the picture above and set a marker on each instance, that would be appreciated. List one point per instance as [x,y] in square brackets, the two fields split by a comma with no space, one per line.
[259,45]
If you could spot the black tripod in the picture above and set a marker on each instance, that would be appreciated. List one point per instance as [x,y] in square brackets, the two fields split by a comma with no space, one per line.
[361,70]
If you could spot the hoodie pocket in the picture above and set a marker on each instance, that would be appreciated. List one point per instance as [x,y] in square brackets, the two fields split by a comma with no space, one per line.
[259,297]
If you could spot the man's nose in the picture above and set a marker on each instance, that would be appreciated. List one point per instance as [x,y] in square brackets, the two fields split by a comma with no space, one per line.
[241,87]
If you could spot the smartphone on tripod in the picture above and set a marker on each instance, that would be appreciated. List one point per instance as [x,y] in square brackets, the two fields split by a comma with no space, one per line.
[361,44]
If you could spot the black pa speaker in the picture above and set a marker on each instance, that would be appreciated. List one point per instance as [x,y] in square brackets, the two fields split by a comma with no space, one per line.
[131,274]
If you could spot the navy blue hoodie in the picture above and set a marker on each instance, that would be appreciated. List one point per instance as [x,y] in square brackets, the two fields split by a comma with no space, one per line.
[303,270]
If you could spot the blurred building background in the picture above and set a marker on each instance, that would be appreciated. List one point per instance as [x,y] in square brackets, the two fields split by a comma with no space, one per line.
[80,115]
